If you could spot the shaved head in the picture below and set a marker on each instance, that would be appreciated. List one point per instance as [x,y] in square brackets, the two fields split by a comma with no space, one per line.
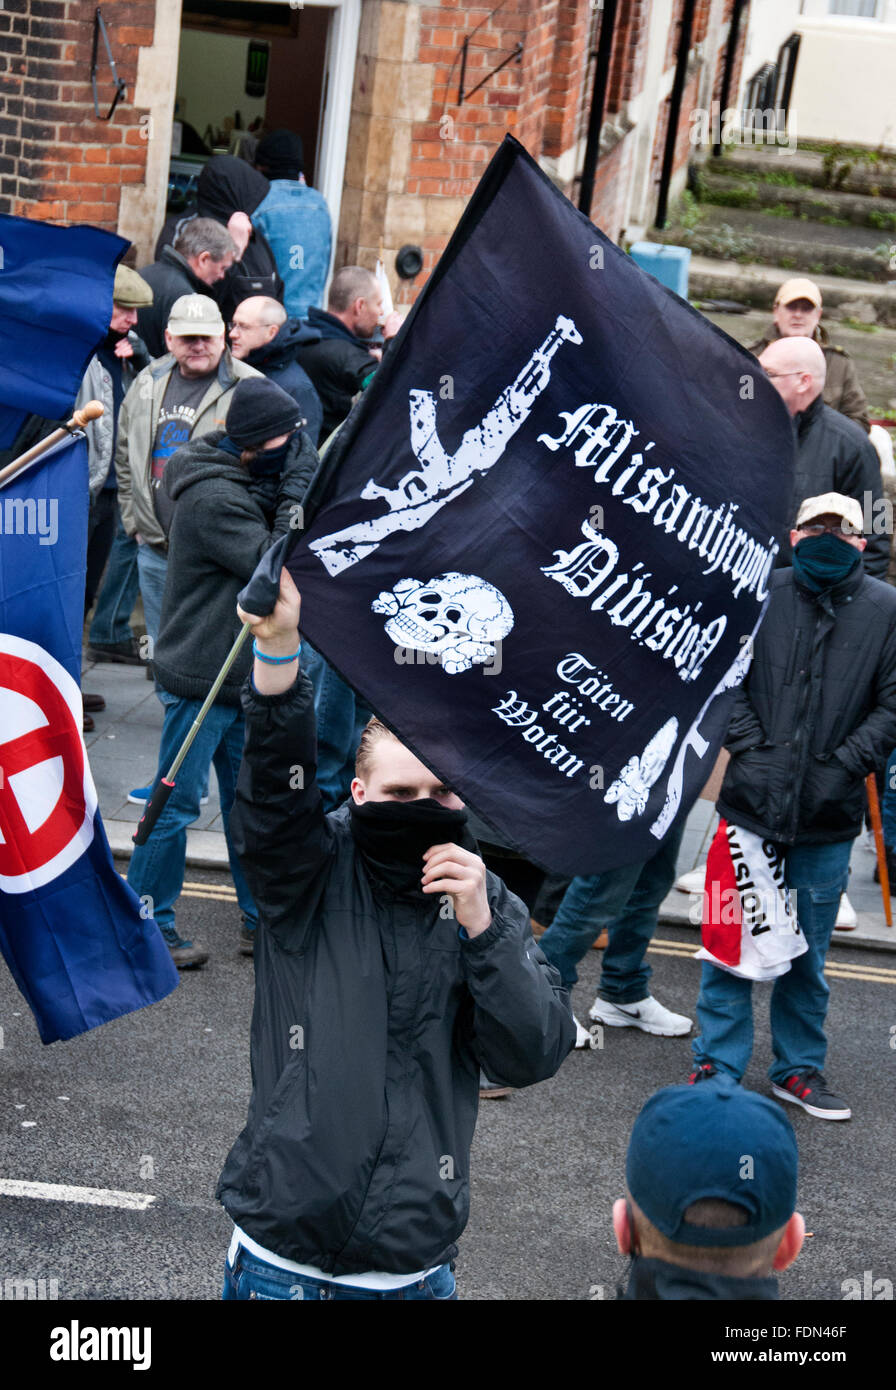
[263,310]
[797,369]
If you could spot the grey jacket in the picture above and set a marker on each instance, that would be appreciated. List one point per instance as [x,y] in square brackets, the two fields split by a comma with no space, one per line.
[136,431]
[96,385]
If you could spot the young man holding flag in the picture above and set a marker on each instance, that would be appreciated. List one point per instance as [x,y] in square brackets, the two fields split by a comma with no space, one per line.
[378,922]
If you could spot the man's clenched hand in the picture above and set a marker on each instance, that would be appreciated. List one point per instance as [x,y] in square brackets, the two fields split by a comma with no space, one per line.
[461,874]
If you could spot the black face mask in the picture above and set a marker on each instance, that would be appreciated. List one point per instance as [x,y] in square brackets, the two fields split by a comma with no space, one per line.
[393,836]
[267,463]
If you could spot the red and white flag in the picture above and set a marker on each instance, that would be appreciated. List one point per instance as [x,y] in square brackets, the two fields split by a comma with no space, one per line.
[749,920]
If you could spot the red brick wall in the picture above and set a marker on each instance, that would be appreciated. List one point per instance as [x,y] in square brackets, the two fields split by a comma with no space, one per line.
[540,99]
[629,54]
[58,162]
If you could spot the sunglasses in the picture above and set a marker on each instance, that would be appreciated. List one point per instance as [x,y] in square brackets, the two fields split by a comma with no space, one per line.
[843,532]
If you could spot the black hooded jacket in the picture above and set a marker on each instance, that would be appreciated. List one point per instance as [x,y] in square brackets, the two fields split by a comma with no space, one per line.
[168,278]
[224,521]
[225,186]
[816,713]
[338,364]
[834,454]
[278,360]
[372,1018]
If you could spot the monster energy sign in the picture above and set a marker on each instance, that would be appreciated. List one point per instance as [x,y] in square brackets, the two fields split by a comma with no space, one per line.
[544,538]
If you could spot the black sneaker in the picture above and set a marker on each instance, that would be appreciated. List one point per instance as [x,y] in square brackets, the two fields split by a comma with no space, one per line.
[702,1072]
[247,940]
[127,653]
[809,1089]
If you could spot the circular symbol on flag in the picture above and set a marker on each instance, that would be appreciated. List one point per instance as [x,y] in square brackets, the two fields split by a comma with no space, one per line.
[47,797]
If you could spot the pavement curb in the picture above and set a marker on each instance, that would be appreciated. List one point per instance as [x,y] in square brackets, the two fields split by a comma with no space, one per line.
[867,936]
[207,849]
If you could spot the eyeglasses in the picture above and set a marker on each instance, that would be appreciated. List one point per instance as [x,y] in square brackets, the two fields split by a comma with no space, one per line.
[773,376]
[235,327]
[843,532]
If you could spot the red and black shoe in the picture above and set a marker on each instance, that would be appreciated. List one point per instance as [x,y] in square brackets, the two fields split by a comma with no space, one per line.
[702,1072]
[809,1089]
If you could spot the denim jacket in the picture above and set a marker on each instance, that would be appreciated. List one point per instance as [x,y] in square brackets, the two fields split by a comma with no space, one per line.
[296,221]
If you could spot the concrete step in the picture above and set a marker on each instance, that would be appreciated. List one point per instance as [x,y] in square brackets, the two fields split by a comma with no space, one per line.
[755,285]
[802,247]
[844,170]
[798,201]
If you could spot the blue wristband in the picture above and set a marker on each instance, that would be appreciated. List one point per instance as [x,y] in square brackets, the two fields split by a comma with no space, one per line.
[275,660]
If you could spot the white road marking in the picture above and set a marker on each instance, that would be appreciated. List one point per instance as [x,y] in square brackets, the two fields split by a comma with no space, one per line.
[61,1192]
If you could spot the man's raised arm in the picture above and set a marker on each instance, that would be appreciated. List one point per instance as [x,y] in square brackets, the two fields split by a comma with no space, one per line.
[278,824]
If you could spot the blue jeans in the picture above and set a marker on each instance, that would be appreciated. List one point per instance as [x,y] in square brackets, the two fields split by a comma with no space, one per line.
[888,803]
[118,594]
[157,868]
[341,717]
[799,1002]
[251,1277]
[152,568]
[625,901]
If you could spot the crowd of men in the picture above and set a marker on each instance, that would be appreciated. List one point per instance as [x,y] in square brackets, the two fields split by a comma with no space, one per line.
[351,1178]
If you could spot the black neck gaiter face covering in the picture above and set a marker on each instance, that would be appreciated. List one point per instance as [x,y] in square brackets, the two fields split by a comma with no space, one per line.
[393,835]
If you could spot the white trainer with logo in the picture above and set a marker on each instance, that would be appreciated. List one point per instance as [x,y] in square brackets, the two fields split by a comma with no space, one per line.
[647,1014]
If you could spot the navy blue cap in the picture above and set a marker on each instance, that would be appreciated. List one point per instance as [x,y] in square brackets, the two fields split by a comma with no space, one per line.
[713,1140]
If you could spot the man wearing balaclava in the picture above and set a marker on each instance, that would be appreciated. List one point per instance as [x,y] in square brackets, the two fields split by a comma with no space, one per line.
[815,714]
[229,494]
[390,965]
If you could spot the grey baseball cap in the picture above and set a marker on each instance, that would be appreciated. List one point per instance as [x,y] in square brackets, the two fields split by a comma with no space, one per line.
[195,315]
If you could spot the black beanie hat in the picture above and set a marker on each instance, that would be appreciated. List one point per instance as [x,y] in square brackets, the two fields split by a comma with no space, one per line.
[260,411]
[280,155]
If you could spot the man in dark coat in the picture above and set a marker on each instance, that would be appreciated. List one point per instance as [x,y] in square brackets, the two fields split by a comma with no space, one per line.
[201,256]
[228,191]
[233,495]
[833,453]
[262,335]
[815,715]
[390,966]
[340,363]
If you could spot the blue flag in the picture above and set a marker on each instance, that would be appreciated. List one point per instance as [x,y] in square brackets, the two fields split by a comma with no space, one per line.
[71,930]
[544,540]
[55,307]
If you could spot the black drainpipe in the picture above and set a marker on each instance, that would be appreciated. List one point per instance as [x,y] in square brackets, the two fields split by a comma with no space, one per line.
[598,100]
[730,56]
[681,68]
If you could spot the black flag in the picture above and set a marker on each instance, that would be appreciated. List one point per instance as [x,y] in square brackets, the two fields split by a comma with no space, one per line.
[543,543]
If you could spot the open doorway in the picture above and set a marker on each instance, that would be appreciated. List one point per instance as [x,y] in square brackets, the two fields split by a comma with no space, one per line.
[249,66]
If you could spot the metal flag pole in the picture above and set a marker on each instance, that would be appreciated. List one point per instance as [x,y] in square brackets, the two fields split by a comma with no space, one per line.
[160,794]
[91,410]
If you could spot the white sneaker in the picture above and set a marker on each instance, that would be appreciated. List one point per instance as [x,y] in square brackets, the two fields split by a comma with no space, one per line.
[647,1014]
[846,916]
[692,882]
[583,1037]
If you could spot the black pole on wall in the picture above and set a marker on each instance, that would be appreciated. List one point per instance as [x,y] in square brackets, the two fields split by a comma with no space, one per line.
[681,69]
[598,101]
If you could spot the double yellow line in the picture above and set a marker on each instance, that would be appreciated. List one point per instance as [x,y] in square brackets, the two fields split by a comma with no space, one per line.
[224,892]
[839,970]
